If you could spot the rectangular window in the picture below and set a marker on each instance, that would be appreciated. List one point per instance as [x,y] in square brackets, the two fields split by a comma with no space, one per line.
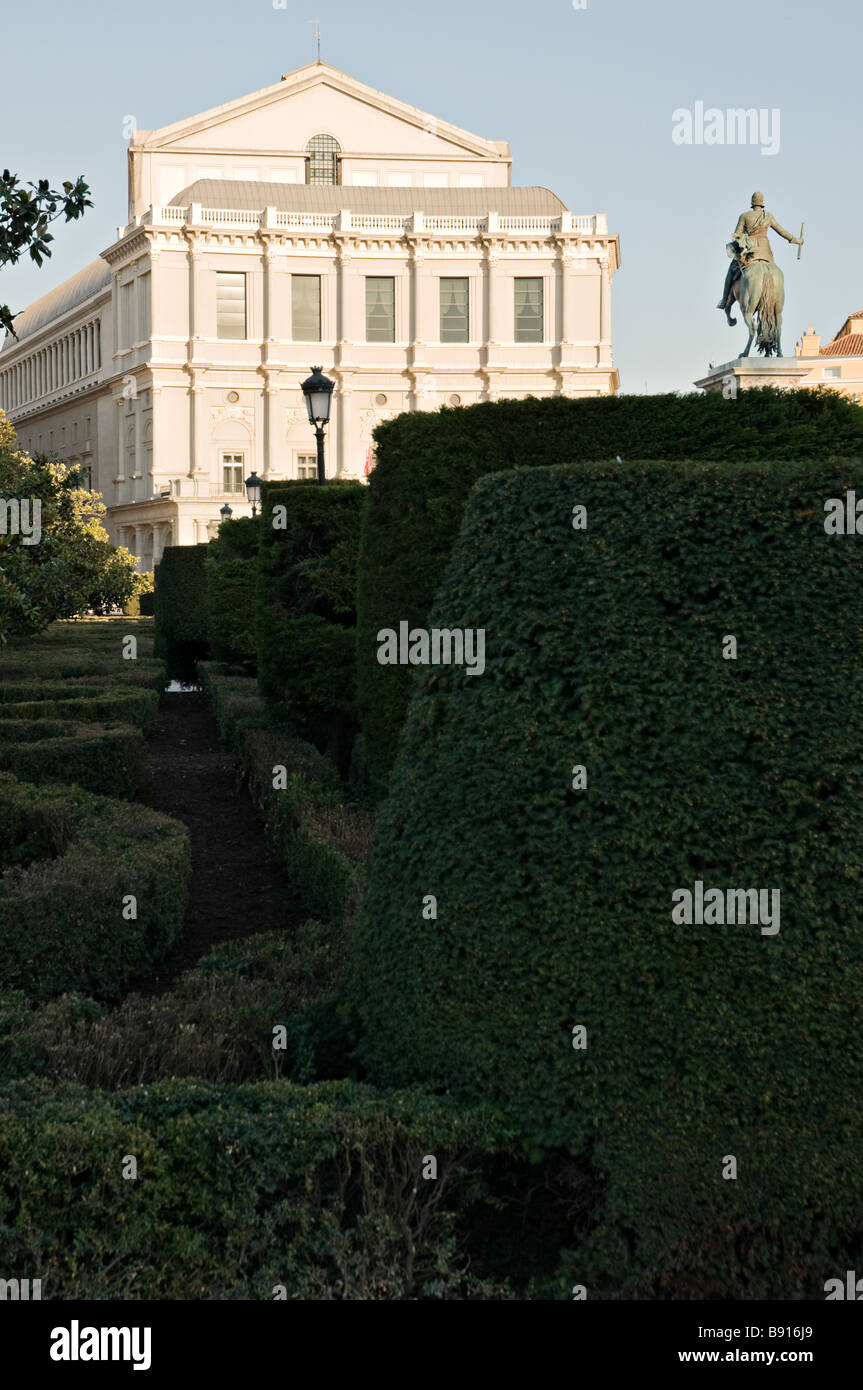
[831,373]
[230,304]
[127,317]
[528,309]
[380,309]
[400,181]
[306,308]
[454,314]
[436,181]
[232,473]
[307,467]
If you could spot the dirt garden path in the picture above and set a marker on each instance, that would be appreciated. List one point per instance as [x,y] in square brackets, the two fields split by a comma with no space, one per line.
[236,888]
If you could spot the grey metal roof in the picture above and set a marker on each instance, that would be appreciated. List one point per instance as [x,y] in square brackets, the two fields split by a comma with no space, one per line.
[94,277]
[437,202]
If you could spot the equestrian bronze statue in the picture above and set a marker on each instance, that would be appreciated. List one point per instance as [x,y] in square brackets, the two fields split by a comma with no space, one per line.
[754,279]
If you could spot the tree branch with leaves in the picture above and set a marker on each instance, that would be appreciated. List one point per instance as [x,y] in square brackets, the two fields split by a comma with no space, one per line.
[26,212]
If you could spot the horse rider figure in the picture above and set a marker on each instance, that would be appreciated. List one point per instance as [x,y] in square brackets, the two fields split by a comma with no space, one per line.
[751,243]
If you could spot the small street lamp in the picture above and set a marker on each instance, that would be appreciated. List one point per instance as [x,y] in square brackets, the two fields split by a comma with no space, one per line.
[318,391]
[226,512]
[253,492]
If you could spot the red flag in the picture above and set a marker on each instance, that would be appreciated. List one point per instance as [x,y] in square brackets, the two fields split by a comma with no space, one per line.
[368,462]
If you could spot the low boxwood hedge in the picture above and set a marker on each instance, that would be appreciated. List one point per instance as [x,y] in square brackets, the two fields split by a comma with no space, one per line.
[262,1191]
[71,862]
[98,757]
[322,842]
[105,703]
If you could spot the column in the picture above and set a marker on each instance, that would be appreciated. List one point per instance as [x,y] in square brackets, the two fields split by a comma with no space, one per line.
[138,548]
[346,458]
[604,311]
[121,443]
[351,302]
[419,289]
[272,437]
[197,424]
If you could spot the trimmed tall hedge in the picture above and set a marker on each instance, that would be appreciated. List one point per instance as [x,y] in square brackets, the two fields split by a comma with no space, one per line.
[231,569]
[180,605]
[604,649]
[251,1192]
[68,860]
[306,608]
[105,759]
[429,462]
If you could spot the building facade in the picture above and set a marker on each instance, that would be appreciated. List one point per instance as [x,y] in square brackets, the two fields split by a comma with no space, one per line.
[317,222]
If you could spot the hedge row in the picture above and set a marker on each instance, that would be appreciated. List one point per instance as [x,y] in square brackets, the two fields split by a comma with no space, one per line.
[250,1192]
[306,609]
[429,462]
[607,649]
[71,864]
[180,605]
[322,842]
[100,758]
[215,1024]
[87,703]
[234,700]
[231,574]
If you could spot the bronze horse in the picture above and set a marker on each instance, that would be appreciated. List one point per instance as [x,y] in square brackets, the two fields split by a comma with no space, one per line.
[760,291]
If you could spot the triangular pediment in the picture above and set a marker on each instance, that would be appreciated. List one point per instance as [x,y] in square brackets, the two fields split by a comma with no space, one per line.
[319,99]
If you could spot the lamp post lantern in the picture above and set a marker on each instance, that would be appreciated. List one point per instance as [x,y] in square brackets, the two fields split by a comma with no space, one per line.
[318,391]
[226,512]
[253,492]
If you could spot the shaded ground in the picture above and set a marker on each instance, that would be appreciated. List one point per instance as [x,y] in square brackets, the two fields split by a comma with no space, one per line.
[236,888]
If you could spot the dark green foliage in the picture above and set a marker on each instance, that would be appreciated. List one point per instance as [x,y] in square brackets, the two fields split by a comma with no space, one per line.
[140,602]
[180,605]
[604,649]
[242,1190]
[428,464]
[232,567]
[322,842]
[216,1024]
[306,608]
[98,703]
[235,701]
[102,759]
[68,860]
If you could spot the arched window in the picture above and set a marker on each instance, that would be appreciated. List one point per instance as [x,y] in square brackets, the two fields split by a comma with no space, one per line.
[322,160]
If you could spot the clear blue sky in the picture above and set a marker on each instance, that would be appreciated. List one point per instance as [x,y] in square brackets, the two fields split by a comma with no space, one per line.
[585,97]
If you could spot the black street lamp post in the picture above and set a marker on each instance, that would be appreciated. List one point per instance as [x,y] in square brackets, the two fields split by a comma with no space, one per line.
[253,492]
[318,391]
[226,512]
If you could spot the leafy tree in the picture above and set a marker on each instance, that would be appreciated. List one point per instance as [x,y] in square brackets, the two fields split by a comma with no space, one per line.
[26,212]
[72,566]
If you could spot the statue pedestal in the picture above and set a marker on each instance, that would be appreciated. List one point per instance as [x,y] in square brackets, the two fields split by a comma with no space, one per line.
[744,373]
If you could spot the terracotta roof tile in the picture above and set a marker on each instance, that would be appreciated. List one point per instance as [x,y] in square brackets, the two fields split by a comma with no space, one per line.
[849,346]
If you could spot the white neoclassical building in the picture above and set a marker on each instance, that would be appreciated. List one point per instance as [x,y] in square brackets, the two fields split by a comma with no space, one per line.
[316,222]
